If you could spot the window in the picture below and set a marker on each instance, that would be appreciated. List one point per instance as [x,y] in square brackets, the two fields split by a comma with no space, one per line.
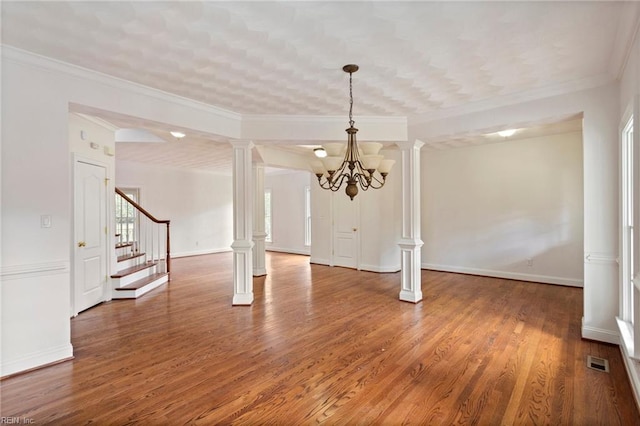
[629,319]
[267,215]
[127,221]
[307,216]
[627,222]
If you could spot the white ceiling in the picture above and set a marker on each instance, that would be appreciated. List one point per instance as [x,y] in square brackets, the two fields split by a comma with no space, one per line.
[417,59]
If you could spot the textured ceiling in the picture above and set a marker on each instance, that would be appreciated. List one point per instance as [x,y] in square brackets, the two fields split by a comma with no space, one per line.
[416,58]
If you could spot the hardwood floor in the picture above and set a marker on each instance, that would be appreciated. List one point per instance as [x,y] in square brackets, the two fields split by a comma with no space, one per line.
[331,345]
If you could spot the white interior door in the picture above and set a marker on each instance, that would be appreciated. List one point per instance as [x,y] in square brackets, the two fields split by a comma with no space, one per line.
[90,230]
[346,243]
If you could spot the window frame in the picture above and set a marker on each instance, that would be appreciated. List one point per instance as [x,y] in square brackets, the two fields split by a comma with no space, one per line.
[268,216]
[307,215]
[629,258]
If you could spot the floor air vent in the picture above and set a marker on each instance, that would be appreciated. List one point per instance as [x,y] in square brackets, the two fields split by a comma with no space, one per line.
[596,363]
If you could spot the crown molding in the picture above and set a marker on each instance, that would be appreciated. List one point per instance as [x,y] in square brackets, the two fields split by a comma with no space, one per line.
[321,119]
[19,56]
[515,98]
[97,121]
[628,29]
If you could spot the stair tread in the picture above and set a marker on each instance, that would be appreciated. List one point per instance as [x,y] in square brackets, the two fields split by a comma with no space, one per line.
[143,281]
[121,245]
[129,256]
[133,269]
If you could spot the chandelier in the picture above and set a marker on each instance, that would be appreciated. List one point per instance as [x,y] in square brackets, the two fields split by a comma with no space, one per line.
[359,167]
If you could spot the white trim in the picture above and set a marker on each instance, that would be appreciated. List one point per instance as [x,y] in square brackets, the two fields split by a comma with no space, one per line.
[27,58]
[322,119]
[199,252]
[546,279]
[628,27]
[515,99]
[320,261]
[288,250]
[626,337]
[380,269]
[16,272]
[600,334]
[37,359]
[600,258]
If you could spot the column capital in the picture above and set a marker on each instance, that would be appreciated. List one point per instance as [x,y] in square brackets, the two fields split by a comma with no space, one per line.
[241,143]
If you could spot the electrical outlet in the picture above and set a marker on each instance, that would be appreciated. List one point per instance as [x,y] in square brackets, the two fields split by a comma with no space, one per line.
[529,262]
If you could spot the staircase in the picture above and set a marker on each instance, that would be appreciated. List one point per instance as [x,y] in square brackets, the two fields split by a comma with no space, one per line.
[136,275]
[142,251]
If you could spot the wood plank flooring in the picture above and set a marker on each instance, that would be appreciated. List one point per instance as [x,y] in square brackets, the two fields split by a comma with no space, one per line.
[329,345]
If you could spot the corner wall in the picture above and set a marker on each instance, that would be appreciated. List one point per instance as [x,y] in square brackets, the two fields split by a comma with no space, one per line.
[512,209]
[599,107]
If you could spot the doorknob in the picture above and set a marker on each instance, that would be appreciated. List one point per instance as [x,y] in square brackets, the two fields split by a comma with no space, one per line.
[355,229]
[81,244]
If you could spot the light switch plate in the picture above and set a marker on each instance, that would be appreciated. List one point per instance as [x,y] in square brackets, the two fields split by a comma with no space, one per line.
[45,221]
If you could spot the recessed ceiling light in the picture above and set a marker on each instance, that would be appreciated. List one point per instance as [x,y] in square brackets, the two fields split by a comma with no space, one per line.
[178,135]
[507,133]
[320,152]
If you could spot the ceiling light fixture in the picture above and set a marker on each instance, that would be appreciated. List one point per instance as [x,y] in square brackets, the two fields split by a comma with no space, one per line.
[320,152]
[507,133]
[178,135]
[357,168]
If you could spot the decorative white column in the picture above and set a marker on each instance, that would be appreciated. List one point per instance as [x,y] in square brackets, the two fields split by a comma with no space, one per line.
[242,224]
[259,234]
[410,242]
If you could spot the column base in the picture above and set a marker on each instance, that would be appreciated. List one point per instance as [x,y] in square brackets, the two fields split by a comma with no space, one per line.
[413,297]
[244,299]
[259,272]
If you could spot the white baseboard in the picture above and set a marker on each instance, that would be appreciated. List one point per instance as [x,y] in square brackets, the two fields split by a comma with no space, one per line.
[288,250]
[380,269]
[199,252]
[546,279]
[600,334]
[319,261]
[35,360]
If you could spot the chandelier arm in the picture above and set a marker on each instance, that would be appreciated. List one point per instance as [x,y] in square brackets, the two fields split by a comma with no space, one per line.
[367,181]
[331,185]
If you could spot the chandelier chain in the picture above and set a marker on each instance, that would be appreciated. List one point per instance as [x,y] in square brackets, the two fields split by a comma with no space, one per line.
[351,122]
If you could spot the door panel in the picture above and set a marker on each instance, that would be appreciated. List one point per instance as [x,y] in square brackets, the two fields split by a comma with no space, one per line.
[90,245]
[345,232]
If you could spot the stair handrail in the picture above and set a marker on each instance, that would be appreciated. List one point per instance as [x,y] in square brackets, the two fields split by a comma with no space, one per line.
[140,208]
[153,219]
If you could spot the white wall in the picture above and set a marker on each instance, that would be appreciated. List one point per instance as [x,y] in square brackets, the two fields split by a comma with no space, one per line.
[512,209]
[381,221]
[287,210]
[35,261]
[198,204]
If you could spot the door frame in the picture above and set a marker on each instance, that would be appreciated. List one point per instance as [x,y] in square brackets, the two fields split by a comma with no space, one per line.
[79,158]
